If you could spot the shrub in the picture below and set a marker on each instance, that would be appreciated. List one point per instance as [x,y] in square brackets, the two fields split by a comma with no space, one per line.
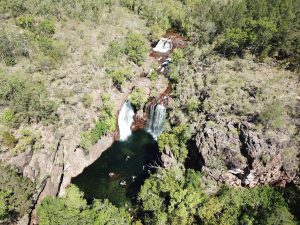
[192,105]
[177,56]
[290,159]
[14,7]
[272,115]
[86,140]
[26,22]
[27,99]
[12,47]
[136,48]
[156,32]
[176,140]
[138,98]
[45,28]
[54,49]
[8,139]
[105,124]
[118,78]
[153,75]
[173,74]
[45,63]
[115,51]
[87,100]
[28,140]
[3,205]
[120,75]
[8,118]
[17,191]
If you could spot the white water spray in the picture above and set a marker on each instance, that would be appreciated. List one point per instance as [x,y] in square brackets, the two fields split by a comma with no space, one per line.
[164,45]
[156,120]
[125,120]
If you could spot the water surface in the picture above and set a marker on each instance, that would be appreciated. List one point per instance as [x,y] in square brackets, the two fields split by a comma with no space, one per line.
[128,161]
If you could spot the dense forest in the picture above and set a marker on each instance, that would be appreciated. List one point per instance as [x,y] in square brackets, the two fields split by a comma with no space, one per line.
[233,113]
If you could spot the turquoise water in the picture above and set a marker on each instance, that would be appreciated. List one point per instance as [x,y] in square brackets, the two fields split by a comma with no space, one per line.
[128,161]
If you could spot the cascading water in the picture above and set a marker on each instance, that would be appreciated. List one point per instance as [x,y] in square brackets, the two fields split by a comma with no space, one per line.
[156,120]
[125,120]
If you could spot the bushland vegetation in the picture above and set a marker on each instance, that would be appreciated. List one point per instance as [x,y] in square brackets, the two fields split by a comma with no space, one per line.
[105,124]
[265,28]
[73,209]
[15,195]
[234,71]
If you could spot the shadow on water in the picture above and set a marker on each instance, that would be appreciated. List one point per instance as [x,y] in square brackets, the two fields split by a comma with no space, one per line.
[124,161]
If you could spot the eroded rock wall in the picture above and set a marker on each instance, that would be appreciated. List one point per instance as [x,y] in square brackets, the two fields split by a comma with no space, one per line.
[241,138]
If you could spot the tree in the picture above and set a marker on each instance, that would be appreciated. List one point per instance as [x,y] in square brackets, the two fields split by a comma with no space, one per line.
[176,141]
[12,47]
[105,124]
[15,194]
[260,33]
[272,115]
[138,98]
[235,40]
[177,56]
[259,205]
[73,209]
[136,48]
[156,32]
[172,196]
[3,205]
[27,99]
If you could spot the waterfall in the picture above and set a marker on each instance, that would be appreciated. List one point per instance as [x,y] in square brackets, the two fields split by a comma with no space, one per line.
[156,120]
[125,120]
[164,45]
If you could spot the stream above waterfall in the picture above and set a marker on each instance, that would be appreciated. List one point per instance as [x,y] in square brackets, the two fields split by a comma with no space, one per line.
[120,171]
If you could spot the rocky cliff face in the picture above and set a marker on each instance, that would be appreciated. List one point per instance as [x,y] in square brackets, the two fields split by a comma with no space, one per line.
[242,139]
[62,158]
[243,158]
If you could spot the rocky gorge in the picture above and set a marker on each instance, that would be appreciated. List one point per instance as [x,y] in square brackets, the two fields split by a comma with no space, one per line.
[233,142]
[168,118]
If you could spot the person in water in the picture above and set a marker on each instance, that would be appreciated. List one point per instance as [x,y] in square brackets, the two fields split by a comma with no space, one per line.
[111,174]
[133,178]
[123,183]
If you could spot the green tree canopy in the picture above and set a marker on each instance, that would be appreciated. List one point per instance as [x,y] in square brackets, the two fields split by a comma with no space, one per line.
[73,209]
[172,197]
[28,99]
[136,48]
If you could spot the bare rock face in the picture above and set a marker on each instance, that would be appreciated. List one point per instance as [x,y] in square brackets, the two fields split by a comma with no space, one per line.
[76,162]
[168,158]
[220,146]
[140,120]
[236,154]
[234,119]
